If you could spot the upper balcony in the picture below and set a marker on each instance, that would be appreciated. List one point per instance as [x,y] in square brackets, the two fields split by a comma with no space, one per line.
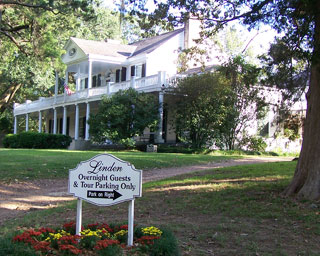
[145,84]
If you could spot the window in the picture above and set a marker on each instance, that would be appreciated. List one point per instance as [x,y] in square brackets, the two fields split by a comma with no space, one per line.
[96,80]
[84,84]
[121,74]
[138,70]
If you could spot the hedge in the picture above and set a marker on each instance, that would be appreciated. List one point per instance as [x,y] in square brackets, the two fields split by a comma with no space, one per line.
[36,140]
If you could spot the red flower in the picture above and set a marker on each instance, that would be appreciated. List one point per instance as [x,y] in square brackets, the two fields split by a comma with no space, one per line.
[70,248]
[72,239]
[46,230]
[147,239]
[106,227]
[42,246]
[105,243]
[93,226]
[27,237]
[125,227]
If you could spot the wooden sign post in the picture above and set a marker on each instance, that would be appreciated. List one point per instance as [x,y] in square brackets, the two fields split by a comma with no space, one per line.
[106,180]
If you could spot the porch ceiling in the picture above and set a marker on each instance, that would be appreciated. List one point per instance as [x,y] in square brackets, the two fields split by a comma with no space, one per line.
[97,67]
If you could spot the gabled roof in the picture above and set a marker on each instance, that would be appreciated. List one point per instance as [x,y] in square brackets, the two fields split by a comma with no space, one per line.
[120,50]
[104,48]
[150,44]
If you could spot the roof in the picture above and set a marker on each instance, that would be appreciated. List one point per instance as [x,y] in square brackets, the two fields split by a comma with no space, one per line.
[150,44]
[120,50]
[104,48]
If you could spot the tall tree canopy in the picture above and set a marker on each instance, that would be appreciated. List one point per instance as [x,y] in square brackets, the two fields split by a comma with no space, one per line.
[32,36]
[298,23]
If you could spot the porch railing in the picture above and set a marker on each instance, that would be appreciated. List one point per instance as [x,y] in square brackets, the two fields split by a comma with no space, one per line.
[147,84]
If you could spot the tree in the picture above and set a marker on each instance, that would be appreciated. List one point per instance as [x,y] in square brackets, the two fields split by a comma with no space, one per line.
[124,115]
[202,107]
[247,103]
[32,36]
[299,24]
[217,107]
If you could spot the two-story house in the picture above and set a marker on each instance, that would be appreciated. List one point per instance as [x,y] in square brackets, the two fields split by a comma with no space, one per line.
[103,68]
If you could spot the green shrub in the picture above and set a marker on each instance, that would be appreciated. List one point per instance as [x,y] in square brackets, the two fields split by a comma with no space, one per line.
[166,246]
[254,143]
[7,247]
[36,140]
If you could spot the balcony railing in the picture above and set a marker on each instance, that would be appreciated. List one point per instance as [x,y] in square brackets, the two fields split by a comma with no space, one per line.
[145,84]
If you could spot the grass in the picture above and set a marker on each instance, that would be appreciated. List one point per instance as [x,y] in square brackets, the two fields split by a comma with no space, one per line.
[34,164]
[230,211]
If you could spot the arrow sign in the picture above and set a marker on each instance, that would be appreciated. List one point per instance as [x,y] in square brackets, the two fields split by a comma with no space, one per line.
[103,194]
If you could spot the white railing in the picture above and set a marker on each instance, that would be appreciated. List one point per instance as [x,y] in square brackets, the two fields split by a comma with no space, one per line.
[147,81]
[119,86]
[148,84]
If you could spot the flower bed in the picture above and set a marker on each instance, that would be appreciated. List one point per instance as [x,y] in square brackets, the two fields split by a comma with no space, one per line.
[99,239]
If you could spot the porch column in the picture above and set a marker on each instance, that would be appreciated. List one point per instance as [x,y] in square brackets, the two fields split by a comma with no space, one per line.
[66,81]
[76,123]
[87,125]
[40,122]
[56,87]
[133,82]
[15,125]
[89,76]
[78,80]
[54,121]
[27,122]
[64,122]
[159,138]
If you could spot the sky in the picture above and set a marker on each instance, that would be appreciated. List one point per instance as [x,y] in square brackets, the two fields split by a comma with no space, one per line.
[260,40]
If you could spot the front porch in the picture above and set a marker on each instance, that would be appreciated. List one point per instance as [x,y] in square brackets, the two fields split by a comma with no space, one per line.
[68,114]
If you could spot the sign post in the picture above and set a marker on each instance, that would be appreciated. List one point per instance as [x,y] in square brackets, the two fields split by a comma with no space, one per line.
[106,180]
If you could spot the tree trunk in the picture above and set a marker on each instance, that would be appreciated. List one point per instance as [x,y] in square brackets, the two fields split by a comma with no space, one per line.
[306,180]
[7,95]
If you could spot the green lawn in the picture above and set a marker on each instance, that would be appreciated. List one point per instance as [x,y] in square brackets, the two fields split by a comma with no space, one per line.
[31,163]
[230,211]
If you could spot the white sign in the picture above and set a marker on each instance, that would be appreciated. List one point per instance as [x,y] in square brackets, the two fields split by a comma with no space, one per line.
[105,180]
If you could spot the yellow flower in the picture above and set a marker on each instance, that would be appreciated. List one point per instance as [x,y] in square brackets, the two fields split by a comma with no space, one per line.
[121,233]
[152,231]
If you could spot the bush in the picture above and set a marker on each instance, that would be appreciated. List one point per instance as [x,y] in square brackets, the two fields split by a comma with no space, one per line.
[166,246]
[254,143]
[36,140]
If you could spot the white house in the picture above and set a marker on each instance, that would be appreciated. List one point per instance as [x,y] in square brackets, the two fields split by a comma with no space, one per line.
[103,68]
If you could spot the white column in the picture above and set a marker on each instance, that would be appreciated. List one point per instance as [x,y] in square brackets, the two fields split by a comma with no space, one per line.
[27,122]
[54,121]
[76,123]
[64,124]
[159,138]
[108,88]
[56,87]
[78,80]
[133,82]
[15,125]
[66,81]
[40,122]
[89,76]
[87,125]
